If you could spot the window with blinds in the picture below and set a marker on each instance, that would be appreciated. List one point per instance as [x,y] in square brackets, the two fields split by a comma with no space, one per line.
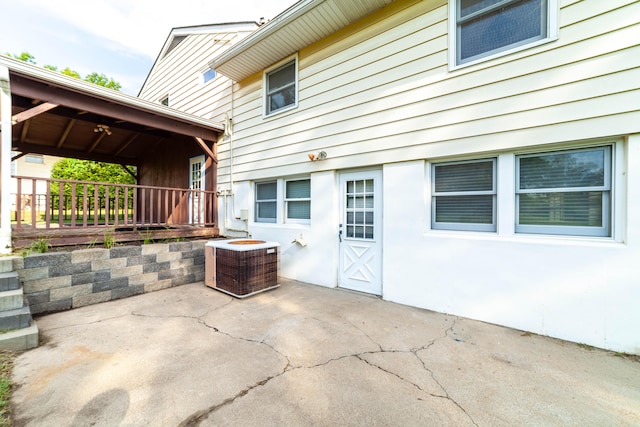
[266,201]
[485,27]
[464,195]
[298,199]
[566,192]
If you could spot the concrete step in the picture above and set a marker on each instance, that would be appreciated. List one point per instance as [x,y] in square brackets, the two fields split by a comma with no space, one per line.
[9,281]
[20,339]
[10,300]
[6,264]
[15,319]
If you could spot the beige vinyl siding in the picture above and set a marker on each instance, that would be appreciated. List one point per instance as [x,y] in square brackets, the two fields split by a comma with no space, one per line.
[179,75]
[391,97]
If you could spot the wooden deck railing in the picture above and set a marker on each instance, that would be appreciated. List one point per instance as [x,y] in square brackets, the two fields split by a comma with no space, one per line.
[52,203]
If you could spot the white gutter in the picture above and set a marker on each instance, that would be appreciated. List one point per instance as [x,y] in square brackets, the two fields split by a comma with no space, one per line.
[78,85]
[264,32]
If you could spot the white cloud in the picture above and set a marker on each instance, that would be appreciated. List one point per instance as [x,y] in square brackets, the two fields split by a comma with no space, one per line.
[141,26]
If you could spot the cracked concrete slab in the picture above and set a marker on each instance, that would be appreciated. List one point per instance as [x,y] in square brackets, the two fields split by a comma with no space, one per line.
[306,355]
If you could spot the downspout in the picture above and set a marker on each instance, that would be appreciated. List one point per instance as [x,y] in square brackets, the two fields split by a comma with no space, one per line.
[5,161]
[228,131]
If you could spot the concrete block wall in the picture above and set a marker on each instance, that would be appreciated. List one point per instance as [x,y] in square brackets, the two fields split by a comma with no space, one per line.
[62,280]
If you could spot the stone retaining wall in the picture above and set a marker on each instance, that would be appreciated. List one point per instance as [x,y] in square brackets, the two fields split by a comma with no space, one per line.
[62,280]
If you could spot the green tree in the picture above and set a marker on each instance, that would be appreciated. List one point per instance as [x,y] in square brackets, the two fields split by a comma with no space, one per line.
[87,170]
[95,78]
[71,73]
[102,80]
[24,56]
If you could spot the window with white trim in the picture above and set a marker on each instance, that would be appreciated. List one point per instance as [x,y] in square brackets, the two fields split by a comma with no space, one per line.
[464,195]
[297,199]
[487,27]
[281,90]
[266,201]
[564,192]
[207,75]
[283,201]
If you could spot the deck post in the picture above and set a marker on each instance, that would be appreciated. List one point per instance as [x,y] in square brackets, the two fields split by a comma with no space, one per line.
[5,161]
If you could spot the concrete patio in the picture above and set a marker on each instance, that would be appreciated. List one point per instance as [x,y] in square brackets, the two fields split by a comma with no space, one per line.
[305,355]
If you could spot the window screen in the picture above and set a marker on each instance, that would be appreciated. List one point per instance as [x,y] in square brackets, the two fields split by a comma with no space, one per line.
[298,199]
[464,195]
[565,192]
[266,201]
[281,88]
[485,27]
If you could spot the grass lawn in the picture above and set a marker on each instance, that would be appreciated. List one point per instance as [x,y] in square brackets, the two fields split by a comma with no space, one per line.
[6,387]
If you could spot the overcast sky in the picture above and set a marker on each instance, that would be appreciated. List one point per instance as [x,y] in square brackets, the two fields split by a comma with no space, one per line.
[119,38]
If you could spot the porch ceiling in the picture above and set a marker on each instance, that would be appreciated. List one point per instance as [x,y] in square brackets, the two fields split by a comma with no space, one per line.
[62,116]
[304,23]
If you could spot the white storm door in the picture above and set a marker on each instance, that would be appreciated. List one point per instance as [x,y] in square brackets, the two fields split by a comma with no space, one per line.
[361,232]
[196,184]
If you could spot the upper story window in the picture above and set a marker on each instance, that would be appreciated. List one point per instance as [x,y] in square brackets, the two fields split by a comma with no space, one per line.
[487,27]
[165,100]
[207,75]
[565,192]
[281,87]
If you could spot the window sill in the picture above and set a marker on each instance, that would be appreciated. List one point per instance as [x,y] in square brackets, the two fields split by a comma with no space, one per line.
[454,67]
[546,239]
[279,112]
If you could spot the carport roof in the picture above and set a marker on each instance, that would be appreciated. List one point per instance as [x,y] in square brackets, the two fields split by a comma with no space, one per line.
[59,115]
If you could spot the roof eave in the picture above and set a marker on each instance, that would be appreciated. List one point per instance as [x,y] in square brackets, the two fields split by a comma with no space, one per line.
[259,35]
[253,54]
[34,72]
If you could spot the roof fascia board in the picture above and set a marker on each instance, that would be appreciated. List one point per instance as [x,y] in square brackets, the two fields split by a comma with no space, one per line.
[48,77]
[264,32]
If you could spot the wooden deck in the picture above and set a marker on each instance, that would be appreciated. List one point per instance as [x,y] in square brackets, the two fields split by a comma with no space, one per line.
[65,212]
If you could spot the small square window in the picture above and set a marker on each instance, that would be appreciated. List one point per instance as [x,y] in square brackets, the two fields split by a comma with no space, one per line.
[165,101]
[485,27]
[266,201]
[208,75]
[281,88]
[464,196]
[565,192]
[298,199]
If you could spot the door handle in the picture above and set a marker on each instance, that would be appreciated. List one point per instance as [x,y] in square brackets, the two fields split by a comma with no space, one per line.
[340,234]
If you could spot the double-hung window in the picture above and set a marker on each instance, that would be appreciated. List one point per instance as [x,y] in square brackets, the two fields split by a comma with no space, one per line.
[298,199]
[565,192]
[281,88]
[266,201]
[283,201]
[464,195]
[487,27]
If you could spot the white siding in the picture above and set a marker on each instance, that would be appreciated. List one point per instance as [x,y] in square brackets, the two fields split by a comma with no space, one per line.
[381,94]
[178,74]
[366,102]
